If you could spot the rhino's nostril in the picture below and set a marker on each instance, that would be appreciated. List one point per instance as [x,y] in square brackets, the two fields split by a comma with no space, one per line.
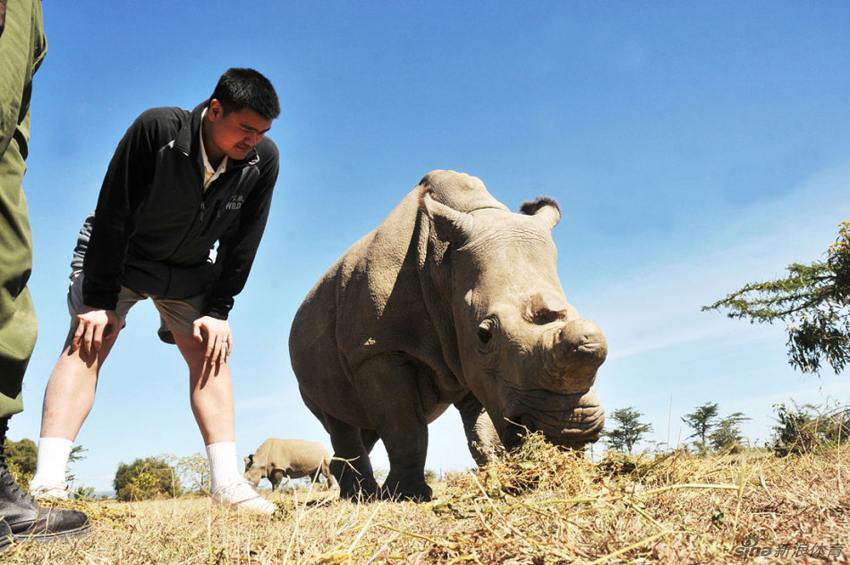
[591,347]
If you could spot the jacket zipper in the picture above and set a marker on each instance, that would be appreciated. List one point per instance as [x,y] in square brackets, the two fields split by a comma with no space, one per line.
[199,217]
[207,227]
[168,282]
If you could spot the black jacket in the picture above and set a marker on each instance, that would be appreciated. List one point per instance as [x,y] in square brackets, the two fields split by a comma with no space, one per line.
[154,225]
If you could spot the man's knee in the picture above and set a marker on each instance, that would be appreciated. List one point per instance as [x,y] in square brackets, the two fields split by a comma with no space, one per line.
[95,357]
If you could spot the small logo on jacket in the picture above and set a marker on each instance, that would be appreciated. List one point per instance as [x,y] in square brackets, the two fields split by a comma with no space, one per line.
[235,202]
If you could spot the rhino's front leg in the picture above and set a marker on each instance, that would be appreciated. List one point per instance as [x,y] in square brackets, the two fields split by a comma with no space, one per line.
[481,436]
[275,478]
[390,392]
[325,469]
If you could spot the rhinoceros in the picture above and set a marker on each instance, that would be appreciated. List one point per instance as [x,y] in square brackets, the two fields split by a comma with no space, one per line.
[292,458]
[451,300]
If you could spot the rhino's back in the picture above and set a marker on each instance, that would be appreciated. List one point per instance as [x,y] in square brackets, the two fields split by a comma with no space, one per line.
[293,452]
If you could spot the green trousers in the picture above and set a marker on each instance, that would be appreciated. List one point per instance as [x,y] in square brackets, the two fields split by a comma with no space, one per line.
[22,48]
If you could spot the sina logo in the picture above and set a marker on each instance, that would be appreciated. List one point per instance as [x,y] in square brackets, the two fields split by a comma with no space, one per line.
[235,202]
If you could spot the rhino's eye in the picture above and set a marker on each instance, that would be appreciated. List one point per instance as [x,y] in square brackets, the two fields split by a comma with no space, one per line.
[485,335]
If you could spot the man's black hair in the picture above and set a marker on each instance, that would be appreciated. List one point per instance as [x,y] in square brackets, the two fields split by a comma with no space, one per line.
[238,89]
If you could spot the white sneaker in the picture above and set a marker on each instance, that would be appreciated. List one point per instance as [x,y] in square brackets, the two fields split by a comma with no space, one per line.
[239,494]
[50,492]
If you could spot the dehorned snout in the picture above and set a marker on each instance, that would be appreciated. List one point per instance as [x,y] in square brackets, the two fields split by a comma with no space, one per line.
[577,352]
[585,338]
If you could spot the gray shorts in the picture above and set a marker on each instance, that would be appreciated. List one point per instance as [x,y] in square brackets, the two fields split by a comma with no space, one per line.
[175,315]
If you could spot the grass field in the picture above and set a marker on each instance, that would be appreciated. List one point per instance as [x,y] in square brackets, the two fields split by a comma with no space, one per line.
[539,506]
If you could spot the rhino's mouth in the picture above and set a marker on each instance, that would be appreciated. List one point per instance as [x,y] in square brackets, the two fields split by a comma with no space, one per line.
[569,420]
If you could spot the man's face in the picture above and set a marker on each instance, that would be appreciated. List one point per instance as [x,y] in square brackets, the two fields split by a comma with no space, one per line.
[234,134]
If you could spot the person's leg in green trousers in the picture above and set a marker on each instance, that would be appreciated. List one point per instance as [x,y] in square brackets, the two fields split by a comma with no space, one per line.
[22,48]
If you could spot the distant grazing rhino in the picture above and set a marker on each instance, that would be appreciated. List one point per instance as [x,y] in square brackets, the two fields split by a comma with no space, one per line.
[453,299]
[292,458]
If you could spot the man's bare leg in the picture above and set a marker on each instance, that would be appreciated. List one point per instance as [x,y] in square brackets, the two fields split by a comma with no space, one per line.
[211,395]
[68,400]
[210,392]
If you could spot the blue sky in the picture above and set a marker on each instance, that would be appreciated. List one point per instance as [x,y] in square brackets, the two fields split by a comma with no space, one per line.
[693,147]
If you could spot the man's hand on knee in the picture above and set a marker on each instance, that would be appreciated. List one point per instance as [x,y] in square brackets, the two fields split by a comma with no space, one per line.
[216,333]
[94,325]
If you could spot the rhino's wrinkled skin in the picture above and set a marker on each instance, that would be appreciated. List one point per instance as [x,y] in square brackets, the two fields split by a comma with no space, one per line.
[453,299]
[292,458]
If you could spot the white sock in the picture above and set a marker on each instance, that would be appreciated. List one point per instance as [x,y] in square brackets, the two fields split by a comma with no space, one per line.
[53,453]
[223,470]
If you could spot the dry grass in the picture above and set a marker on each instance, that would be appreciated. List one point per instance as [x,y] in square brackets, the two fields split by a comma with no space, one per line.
[540,506]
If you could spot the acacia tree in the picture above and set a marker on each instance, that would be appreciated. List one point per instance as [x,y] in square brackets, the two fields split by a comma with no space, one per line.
[727,433]
[701,421]
[628,431]
[193,471]
[814,301]
[75,455]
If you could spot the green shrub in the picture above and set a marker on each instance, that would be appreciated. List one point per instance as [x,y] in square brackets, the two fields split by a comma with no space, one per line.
[21,457]
[807,428]
[146,479]
[431,476]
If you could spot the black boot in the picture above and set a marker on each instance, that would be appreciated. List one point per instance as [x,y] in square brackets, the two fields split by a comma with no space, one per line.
[24,518]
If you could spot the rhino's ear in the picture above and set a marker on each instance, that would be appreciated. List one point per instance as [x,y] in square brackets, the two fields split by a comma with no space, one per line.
[451,226]
[248,461]
[544,206]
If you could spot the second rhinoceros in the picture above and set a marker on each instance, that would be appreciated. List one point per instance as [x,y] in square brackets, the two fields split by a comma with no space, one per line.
[290,458]
[451,300]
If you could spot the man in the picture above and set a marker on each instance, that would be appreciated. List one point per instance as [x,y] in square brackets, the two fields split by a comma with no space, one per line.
[179,183]
[22,48]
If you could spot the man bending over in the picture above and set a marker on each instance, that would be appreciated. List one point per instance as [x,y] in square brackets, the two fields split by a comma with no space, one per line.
[179,183]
